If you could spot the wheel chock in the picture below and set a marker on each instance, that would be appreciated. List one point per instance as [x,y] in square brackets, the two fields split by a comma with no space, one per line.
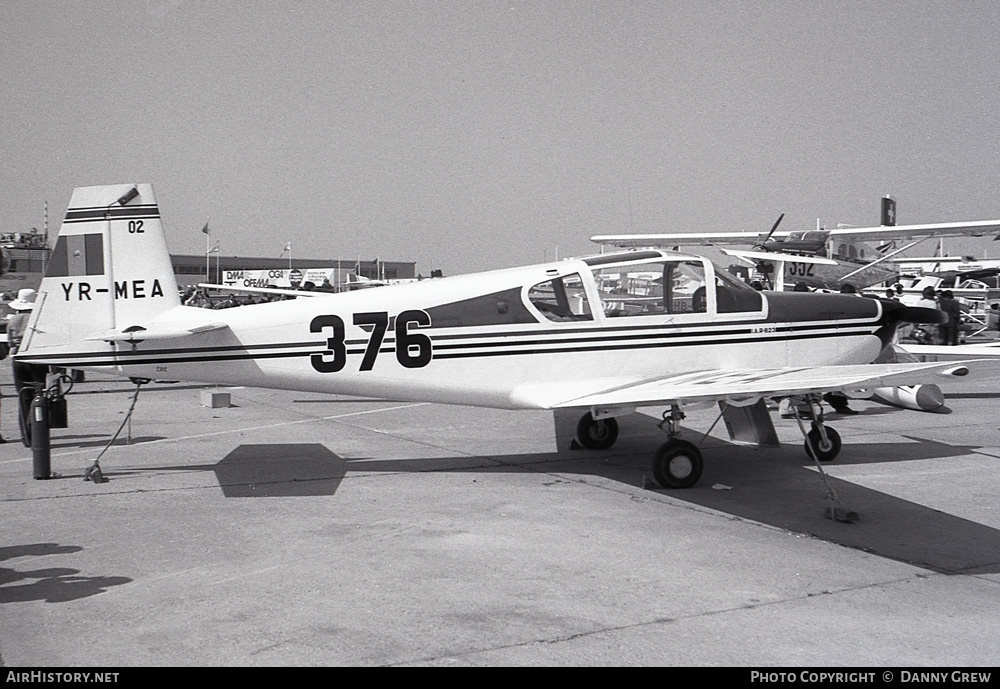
[839,514]
[93,473]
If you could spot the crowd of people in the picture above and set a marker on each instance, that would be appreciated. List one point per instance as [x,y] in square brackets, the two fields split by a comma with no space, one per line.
[949,332]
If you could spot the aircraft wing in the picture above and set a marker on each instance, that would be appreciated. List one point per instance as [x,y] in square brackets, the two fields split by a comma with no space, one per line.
[777,256]
[739,387]
[977,351]
[155,331]
[979,228]
[669,239]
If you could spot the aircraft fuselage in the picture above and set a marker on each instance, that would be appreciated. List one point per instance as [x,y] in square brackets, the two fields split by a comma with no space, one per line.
[476,339]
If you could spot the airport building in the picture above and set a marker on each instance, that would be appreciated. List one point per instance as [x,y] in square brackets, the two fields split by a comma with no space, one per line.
[236,271]
[25,257]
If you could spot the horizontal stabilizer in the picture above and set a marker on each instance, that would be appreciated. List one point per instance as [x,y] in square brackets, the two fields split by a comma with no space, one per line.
[156,331]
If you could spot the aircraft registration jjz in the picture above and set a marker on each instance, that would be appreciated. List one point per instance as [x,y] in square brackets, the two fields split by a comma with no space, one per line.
[599,335]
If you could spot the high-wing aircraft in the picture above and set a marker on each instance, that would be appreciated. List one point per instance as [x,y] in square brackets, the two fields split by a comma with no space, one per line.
[818,258]
[600,335]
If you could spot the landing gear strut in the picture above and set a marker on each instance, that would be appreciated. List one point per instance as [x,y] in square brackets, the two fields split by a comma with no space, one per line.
[821,442]
[678,463]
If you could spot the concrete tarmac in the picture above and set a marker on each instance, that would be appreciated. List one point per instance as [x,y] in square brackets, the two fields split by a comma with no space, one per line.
[294,529]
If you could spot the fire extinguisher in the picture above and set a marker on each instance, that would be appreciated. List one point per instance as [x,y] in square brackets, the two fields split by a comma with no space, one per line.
[40,445]
[47,411]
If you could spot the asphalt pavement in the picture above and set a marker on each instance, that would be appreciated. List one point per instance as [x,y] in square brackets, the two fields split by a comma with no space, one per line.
[294,529]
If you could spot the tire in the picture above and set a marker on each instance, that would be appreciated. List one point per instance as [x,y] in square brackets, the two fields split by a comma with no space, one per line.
[815,439]
[596,435]
[677,464]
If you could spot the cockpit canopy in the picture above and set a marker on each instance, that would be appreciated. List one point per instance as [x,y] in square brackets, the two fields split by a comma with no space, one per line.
[642,283]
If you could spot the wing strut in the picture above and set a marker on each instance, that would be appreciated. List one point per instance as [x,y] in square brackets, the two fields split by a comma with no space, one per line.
[883,258]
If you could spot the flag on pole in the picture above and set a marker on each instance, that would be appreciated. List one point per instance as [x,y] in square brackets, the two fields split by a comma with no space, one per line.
[205,228]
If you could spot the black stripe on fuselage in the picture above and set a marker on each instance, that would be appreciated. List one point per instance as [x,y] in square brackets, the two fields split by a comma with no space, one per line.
[490,345]
[643,345]
[632,334]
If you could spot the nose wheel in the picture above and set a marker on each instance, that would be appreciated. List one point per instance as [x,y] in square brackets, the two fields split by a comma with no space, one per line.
[825,449]
[822,443]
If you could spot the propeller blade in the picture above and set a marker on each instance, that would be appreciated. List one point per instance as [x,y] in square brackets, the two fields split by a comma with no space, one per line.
[762,243]
[774,227]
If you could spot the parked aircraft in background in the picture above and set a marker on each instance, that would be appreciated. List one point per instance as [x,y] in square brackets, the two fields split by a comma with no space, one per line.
[919,265]
[979,289]
[821,258]
[600,335]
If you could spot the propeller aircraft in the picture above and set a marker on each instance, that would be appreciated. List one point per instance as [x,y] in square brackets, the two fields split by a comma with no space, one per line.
[599,336]
[820,258]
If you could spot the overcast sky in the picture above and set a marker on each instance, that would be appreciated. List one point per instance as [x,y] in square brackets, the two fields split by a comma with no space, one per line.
[476,135]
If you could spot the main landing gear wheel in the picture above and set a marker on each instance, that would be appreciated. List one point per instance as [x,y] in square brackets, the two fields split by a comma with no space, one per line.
[596,435]
[677,464]
[825,452]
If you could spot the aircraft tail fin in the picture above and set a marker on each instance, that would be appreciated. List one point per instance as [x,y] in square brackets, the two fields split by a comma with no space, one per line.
[110,270]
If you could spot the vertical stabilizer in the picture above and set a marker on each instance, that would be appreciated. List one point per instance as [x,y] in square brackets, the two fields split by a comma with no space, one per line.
[110,269]
[888,211]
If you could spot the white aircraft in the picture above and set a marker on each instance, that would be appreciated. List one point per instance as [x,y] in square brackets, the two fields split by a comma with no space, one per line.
[601,335]
[818,258]
[919,265]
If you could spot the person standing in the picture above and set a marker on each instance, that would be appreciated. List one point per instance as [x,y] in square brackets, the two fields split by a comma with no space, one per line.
[953,309]
[920,333]
[5,299]
[29,376]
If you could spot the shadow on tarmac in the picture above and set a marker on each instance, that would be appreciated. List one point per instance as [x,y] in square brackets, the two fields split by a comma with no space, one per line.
[73,441]
[778,487]
[52,584]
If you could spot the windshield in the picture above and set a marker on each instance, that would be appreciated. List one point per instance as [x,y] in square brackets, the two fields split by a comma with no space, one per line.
[642,289]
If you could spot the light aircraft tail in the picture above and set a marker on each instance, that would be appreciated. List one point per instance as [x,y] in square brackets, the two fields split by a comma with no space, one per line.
[109,274]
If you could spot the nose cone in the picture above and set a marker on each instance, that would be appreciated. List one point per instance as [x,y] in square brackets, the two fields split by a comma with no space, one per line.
[895,312]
